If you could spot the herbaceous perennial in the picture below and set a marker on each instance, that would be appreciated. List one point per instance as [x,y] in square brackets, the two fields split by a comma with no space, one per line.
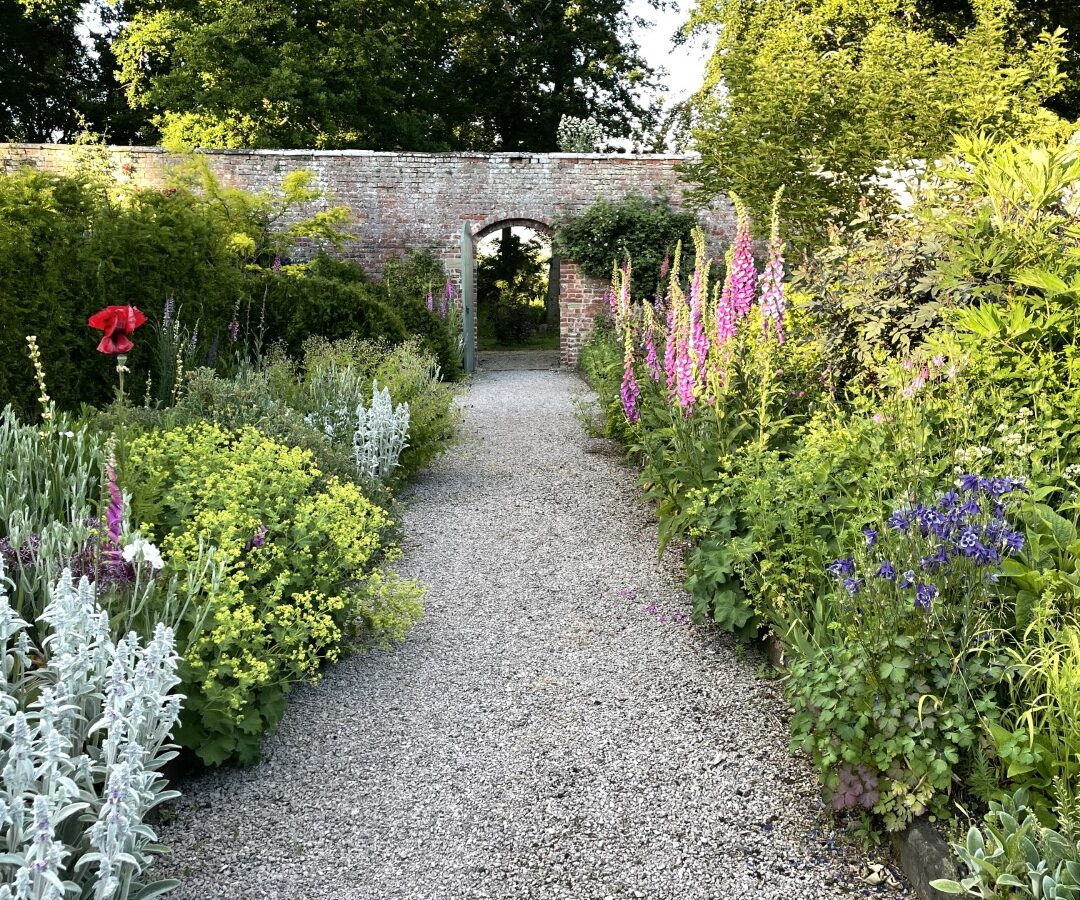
[382,432]
[772,281]
[84,726]
[698,326]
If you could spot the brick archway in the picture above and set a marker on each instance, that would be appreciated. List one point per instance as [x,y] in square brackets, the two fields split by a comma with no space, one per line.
[402,201]
[556,286]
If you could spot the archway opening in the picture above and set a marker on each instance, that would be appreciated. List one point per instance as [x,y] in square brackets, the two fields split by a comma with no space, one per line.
[517,288]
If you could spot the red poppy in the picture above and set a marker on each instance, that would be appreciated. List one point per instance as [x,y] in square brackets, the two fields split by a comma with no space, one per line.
[118,322]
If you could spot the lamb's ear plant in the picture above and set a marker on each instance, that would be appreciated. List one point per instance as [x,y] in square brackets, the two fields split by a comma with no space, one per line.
[1013,856]
[85,722]
[382,432]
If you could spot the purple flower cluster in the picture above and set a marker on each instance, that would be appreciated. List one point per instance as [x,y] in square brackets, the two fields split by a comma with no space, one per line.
[447,299]
[257,539]
[962,527]
[699,342]
[99,560]
[742,272]
[679,618]
[23,556]
[114,513]
[700,324]
[630,391]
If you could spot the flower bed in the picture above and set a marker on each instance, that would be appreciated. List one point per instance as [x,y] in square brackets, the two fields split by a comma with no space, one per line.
[169,569]
[875,463]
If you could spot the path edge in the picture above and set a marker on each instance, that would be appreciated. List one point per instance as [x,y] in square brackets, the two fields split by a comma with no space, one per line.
[920,850]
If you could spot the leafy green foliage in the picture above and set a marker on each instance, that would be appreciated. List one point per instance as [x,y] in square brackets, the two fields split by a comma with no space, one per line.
[889,703]
[65,47]
[920,347]
[407,370]
[820,95]
[607,232]
[474,74]
[301,573]
[1013,856]
[72,244]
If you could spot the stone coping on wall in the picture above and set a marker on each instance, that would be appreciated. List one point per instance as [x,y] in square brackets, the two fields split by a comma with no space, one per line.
[467,154]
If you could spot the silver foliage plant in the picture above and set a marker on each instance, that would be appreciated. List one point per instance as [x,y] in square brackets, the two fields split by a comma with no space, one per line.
[579,135]
[378,433]
[382,432]
[84,729]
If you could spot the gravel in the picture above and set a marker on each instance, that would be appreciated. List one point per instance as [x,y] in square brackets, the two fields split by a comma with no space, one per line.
[552,729]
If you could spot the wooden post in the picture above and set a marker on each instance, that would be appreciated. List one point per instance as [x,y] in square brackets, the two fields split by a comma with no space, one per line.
[468,296]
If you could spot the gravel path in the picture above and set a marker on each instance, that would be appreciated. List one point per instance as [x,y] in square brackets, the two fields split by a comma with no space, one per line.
[551,730]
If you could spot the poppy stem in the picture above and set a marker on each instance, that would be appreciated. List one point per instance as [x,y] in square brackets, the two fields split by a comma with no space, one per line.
[121,368]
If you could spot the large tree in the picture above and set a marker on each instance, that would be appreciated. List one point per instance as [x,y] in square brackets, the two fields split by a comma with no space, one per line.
[822,96]
[523,66]
[1032,18]
[57,72]
[382,74]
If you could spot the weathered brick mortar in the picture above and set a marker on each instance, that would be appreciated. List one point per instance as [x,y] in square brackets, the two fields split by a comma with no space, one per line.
[405,201]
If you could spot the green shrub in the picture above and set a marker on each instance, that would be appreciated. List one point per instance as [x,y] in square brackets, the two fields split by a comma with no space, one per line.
[411,375]
[304,572]
[299,305]
[607,232]
[71,244]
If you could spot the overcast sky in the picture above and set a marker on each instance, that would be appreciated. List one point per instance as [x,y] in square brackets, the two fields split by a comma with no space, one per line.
[685,65]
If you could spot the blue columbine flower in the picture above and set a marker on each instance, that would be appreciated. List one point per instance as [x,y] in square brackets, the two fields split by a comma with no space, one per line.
[871,536]
[968,540]
[984,555]
[1013,541]
[924,595]
[935,560]
[845,566]
[907,579]
[949,500]
[968,483]
[852,585]
[970,507]
[886,570]
[900,520]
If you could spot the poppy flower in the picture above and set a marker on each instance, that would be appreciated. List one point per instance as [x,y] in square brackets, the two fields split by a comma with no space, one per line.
[118,323]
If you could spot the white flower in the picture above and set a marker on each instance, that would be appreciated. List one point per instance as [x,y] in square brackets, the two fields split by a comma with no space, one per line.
[141,550]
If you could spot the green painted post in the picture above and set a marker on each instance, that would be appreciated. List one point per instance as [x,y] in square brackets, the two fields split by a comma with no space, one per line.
[468,296]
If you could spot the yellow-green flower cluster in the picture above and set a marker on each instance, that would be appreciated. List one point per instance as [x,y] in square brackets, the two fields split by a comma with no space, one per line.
[300,571]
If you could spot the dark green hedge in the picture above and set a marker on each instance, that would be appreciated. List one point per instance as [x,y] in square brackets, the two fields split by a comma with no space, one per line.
[68,248]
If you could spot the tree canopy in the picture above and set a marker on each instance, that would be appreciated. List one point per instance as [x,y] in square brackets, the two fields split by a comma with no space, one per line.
[57,72]
[822,95]
[382,74]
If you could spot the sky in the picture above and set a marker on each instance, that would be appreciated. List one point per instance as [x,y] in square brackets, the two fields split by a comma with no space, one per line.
[684,65]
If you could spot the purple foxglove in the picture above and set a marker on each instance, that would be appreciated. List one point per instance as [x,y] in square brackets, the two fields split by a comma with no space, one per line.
[447,299]
[772,281]
[742,272]
[669,352]
[630,391]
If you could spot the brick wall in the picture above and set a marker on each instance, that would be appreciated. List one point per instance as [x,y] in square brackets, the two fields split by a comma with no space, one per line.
[404,201]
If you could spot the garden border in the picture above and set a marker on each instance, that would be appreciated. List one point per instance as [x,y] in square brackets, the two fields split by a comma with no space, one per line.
[920,850]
